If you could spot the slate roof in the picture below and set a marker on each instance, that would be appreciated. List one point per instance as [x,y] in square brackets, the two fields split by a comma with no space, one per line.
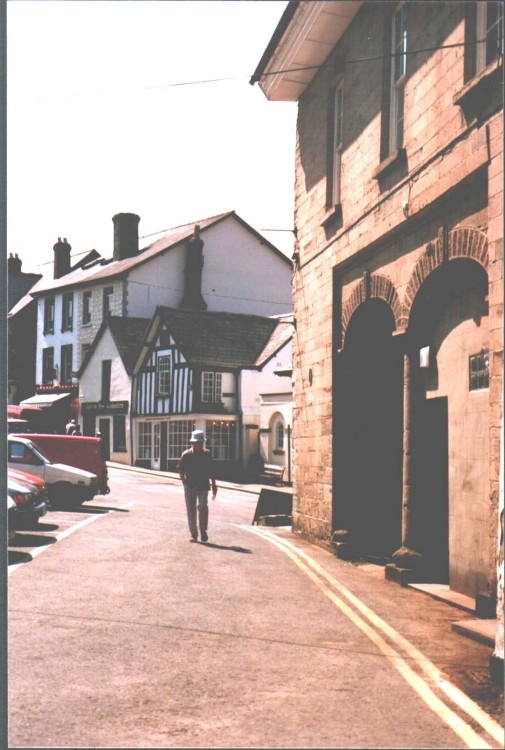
[282,333]
[218,339]
[100,270]
[127,334]
[18,284]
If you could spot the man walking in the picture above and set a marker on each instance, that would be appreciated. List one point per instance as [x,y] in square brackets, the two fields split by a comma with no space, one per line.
[196,469]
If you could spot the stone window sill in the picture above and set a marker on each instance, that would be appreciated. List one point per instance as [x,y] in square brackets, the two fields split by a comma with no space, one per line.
[334,213]
[479,88]
[395,159]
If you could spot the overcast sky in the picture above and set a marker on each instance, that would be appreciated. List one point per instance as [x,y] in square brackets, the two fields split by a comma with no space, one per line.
[95,128]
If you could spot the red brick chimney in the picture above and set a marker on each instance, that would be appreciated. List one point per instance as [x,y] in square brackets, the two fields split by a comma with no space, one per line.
[61,258]
[13,264]
[192,298]
[126,236]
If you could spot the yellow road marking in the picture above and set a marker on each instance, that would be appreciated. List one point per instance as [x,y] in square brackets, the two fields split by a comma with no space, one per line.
[460,727]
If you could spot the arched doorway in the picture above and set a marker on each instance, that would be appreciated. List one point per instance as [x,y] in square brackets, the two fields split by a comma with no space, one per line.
[368,433]
[450,425]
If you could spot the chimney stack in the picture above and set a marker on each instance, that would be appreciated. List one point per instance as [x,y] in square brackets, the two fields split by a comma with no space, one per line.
[192,298]
[61,258]
[126,236]
[13,264]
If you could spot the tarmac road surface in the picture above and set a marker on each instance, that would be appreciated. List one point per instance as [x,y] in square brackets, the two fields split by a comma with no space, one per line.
[122,634]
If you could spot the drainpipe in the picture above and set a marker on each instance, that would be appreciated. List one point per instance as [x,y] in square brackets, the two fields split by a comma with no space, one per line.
[288,430]
[238,390]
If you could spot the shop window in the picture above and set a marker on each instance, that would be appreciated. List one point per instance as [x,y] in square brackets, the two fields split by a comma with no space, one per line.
[144,440]
[119,434]
[479,371]
[222,440]
[179,433]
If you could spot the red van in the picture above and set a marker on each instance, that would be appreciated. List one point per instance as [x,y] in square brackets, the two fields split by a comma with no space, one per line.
[77,451]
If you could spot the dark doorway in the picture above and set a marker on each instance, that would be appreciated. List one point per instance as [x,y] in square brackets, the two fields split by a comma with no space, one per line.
[431,489]
[104,428]
[368,433]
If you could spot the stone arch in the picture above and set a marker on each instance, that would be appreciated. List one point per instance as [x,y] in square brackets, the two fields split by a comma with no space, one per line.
[463,242]
[373,285]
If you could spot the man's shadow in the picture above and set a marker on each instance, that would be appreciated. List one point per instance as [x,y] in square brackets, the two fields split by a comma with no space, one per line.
[233,548]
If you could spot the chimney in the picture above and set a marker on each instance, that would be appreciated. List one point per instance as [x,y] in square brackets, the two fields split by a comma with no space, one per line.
[126,236]
[192,298]
[61,258]
[13,264]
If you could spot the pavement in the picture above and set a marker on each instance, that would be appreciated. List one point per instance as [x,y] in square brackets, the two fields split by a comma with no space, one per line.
[475,628]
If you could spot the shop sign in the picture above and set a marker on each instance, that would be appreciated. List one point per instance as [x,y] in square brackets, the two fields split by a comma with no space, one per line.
[104,407]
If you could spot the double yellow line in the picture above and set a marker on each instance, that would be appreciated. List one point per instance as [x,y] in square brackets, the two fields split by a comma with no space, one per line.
[373,627]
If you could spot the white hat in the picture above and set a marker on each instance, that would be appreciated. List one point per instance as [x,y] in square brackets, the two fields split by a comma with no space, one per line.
[197,436]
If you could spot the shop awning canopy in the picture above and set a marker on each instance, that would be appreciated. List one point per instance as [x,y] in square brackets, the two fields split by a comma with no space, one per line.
[14,410]
[45,400]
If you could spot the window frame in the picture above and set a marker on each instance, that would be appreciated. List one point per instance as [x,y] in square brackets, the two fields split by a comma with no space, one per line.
[86,307]
[336,128]
[144,440]
[279,435]
[164,376]
[397,82]
[66,361]
[212,391]
[106,380]
[178,435]
[483,34]
[49,313]
[119,433]
[478,377]
[48,370]
[67,311]
[108,293]
[222,439]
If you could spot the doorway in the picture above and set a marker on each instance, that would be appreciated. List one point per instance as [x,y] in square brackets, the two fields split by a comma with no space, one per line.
[104,428]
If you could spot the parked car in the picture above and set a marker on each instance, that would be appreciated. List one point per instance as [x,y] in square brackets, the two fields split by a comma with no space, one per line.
[65,484]
[80,451]
[17,425]
[30,499]
[11,517]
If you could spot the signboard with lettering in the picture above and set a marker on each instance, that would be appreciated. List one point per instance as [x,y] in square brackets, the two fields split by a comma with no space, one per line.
[104,407]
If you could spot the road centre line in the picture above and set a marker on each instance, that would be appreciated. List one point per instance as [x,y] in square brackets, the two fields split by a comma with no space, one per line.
[460,727]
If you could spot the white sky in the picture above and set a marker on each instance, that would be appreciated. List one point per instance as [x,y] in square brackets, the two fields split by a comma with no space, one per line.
[94,130]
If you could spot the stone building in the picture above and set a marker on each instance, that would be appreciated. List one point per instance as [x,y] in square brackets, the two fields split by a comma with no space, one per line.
[398,283]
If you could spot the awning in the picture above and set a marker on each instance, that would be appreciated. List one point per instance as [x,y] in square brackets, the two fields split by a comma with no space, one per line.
[14,410]
[45,400]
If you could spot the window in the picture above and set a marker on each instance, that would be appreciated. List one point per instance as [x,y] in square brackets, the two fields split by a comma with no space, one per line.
[222,440]
[144,440]
[119,434]
[335,146]
[67,312]
[66,364]
[106,368]
[163,375]
[48,365]
[156,441]
[212,387]
[49,314]
[86,308]
[479,371]
[398,77]
[107,301]
[279,436]
[179,433]
[84,350]
[489,34]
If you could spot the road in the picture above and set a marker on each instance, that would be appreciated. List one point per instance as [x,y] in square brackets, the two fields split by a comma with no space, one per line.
[122,634]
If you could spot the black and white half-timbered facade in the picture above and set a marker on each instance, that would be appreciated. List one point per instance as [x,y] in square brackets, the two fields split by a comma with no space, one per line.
[189,376]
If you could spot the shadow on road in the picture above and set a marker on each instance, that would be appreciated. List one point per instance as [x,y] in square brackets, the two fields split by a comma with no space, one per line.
[31,540]
[19,557]
[233,548]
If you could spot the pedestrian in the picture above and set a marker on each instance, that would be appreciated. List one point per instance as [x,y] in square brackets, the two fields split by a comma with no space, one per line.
[78,429]
[196,469]
[70,427]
